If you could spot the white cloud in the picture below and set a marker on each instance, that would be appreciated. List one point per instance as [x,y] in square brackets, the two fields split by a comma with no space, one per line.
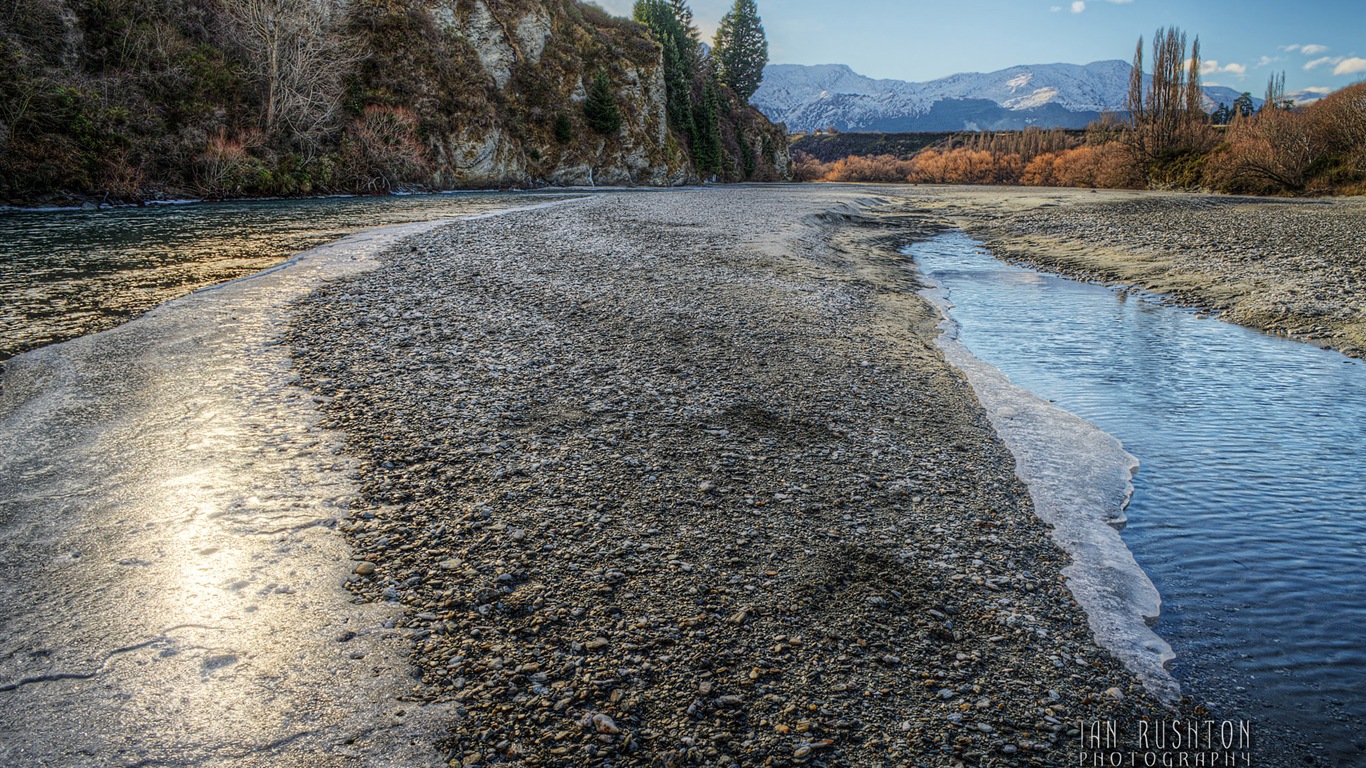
[1212,67]
[1262,62]
[1323,91]
[1078,6]
[1055,8]
[1119,2]
[1316,63]
[1308,49]
[1350,66]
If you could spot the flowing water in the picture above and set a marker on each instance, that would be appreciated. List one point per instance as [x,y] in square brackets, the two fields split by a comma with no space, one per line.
[67,273]
[1249,504]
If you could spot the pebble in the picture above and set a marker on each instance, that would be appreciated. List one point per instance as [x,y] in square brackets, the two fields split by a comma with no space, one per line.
[576,612]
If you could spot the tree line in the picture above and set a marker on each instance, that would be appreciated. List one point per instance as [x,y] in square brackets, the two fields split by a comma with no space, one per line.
[1165,140]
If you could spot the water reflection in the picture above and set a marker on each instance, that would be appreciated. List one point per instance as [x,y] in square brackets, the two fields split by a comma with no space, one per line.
[169,582]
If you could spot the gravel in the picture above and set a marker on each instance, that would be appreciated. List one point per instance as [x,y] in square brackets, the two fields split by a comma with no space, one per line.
[679,478]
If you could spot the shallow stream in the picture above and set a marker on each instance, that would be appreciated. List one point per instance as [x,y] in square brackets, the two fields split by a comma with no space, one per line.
[1249,504]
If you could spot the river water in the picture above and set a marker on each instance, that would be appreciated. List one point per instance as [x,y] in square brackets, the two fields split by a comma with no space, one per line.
[1249,504]
[67,273]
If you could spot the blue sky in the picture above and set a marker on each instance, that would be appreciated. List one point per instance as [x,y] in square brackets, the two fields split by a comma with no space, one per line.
[1318,43]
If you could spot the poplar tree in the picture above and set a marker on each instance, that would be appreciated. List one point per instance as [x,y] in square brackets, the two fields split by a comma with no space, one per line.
[1168,117]
[741,50]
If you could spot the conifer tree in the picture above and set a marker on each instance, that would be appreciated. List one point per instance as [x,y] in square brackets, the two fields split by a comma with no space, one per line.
[684,15]
[741,50]
[707,151]
[601,107]
[668,28]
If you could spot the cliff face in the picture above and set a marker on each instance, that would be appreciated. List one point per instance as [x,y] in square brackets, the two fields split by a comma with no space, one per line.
[137,98]
[526,68]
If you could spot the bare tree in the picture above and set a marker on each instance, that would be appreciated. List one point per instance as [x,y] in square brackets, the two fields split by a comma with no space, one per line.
[297,58]
[1195,95]
[1167,117]
[1134,102]
[1275,92]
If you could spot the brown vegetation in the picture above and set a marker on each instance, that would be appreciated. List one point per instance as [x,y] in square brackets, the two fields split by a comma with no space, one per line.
[1168,143]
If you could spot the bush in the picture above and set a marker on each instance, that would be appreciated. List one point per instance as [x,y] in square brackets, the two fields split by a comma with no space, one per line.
[382,150]
[564,129]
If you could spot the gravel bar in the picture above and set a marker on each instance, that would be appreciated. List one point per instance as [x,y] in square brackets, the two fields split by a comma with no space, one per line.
[679,478]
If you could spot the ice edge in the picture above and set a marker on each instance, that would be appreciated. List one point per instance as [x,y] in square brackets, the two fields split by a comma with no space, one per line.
[1080,486]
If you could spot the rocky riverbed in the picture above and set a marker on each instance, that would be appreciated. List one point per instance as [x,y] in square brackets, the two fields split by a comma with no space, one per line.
[1293,267]
[680,478]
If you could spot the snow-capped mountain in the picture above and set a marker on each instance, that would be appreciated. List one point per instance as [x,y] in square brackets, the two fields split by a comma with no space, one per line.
[1307,96]
[1046,95]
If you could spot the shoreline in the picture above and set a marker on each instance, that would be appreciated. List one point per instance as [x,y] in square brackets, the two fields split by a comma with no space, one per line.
[1287,267]
[668,288]
[1080,480]
[651,490]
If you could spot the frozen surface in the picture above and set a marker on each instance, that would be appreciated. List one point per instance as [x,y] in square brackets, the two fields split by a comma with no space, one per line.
[1249,509]
[170,583]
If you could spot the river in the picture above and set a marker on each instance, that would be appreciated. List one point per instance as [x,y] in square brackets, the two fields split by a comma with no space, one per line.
[67,273]
[1249,505]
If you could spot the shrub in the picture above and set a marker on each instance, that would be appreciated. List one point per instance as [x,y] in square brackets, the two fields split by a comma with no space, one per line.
[564,129]
[382,150]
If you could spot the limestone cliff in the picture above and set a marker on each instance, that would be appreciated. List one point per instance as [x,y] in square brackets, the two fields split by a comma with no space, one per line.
[528,66]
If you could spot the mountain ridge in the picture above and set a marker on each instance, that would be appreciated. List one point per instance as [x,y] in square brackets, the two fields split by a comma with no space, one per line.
[810,97]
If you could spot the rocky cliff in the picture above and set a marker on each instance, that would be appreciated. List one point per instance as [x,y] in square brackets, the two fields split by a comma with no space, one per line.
[140,98]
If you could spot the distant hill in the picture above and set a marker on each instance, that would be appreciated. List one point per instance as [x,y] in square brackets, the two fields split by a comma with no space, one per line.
[1045,95]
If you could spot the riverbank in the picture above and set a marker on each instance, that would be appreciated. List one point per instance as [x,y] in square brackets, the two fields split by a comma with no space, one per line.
[682,478]
[1285,266]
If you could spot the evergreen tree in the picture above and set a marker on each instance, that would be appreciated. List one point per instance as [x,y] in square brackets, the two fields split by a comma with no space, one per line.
[707,153]
[741,50]
[684,15]
[564,130]
[674,37]
[601,107]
